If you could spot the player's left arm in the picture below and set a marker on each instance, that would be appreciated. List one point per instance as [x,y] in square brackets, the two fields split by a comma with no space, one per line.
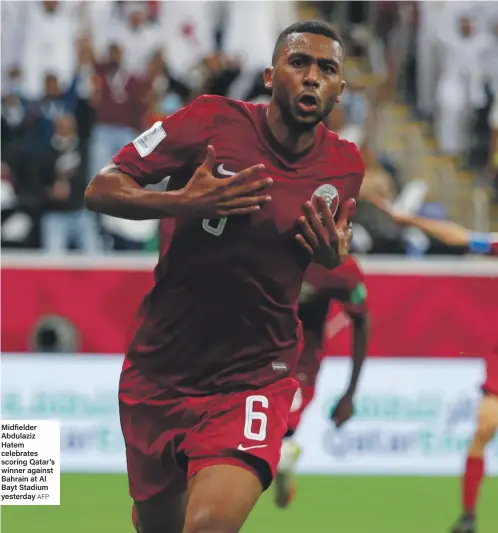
[360,338]
[357,309]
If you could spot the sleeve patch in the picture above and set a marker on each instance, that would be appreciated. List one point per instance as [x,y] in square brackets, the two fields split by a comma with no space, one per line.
[359,294]
[147,142]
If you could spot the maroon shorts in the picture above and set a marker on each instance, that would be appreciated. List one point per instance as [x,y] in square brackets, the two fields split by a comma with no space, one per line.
[169,440]
[491,384]
[302,398]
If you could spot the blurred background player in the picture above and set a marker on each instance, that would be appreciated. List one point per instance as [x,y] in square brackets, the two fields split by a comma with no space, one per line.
[203,415]
[320,289]
[450,233]
[487,416]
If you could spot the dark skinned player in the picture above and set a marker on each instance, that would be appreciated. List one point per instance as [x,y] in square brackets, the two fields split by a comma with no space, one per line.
[258,192]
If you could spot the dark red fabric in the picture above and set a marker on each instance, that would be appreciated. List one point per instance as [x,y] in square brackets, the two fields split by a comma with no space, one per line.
[222,314]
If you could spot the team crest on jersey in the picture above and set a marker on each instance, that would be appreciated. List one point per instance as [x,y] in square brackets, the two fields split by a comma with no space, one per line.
[330,194]
[147,142]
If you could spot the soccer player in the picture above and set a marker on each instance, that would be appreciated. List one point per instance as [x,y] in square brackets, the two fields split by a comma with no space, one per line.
[206,386]
[487,417]
[320,289]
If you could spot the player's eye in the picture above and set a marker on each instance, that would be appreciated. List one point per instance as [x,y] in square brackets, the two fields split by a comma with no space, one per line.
[297,62]
[329,68]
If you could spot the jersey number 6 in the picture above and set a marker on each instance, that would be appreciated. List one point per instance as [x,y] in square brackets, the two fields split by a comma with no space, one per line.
[250,431]
[215,226]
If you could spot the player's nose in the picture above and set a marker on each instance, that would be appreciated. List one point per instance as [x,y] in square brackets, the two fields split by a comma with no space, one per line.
[311,76]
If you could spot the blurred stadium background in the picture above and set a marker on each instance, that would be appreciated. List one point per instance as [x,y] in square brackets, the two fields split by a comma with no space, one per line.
[80,79]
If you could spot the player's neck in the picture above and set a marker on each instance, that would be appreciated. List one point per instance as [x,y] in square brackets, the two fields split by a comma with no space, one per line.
[293,140]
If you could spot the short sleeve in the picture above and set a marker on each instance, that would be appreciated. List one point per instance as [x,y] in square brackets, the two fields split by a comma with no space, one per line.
[168,145]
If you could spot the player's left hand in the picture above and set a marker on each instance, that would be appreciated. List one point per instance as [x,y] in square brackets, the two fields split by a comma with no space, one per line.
[326,242]
[343,411]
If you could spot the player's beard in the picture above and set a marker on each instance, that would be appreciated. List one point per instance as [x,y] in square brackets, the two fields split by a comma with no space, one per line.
[290,111]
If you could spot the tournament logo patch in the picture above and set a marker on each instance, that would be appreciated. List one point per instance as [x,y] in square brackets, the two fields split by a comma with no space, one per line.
[147,142]
[330,194]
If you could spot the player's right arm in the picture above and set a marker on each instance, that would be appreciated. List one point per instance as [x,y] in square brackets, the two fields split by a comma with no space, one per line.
[115,193]
[451,233]
[166,148]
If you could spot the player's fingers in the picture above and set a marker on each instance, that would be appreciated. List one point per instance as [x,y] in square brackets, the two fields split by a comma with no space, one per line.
[328,219]
[302,241]
[251,171]
[346,213]
[210,158]
[226,212]
[308,233]
[245,201]
[249,188]
[244,175]
[315,223]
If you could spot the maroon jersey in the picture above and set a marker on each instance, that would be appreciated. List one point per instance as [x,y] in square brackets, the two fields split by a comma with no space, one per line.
[222,315]
[345,284]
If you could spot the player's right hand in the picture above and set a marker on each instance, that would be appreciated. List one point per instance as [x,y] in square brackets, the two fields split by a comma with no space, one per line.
[326,242]
[206,196]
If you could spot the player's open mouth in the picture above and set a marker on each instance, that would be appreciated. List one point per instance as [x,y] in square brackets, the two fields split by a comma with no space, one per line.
[308,103]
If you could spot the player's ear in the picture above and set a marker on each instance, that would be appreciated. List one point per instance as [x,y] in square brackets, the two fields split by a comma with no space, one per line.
[339,96]
[268,77]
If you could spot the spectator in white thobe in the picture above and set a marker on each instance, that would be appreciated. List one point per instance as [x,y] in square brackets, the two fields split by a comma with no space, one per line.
[136,37]
[188,30]
[250,32]
[12,35]
[430,17]
[460,88]
[49,44]
[99,19]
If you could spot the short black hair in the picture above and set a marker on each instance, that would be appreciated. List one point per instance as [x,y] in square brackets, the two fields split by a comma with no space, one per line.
[317,27]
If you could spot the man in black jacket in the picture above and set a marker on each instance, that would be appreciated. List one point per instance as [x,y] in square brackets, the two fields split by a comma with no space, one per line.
[65,222]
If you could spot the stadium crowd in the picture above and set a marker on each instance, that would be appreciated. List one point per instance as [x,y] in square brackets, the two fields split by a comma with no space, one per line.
[81,79]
